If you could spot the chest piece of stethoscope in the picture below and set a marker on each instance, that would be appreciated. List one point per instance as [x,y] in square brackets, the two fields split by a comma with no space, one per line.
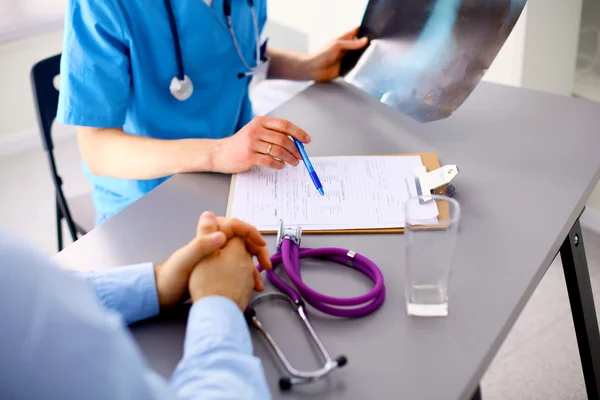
[182,89]
[293,298]
[284,232]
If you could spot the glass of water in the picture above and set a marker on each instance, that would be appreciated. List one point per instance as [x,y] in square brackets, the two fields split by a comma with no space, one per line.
[431,228]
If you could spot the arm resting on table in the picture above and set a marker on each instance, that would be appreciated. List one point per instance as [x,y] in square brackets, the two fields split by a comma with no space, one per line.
[57,341]
[128,290]
[116,154]
[218,354]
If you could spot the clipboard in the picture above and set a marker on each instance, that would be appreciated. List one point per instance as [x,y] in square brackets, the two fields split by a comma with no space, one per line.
[430,162]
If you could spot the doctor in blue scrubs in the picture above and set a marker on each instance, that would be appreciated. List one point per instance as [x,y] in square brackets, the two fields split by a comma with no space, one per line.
[160,87]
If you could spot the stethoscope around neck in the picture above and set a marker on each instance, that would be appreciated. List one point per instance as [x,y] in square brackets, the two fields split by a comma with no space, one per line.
[182,86]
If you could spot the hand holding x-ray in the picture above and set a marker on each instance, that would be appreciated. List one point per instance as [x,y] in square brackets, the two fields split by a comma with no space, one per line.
[425,57]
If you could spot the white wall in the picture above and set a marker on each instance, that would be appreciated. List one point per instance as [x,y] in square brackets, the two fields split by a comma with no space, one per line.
[552,35]
[320,20]
[591,17]
[26,17]
[587,78]
[16,59]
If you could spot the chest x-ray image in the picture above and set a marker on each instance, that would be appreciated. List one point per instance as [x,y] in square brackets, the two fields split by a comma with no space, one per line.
[425,57]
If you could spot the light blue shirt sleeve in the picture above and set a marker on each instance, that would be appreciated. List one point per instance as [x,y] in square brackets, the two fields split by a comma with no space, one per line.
[59,339]
[95,78]
[207,331]
[128,290]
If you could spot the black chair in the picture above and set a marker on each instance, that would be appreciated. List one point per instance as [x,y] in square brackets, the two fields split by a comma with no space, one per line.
[45,95]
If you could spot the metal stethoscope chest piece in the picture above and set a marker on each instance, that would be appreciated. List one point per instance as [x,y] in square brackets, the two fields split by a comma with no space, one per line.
[181,89]
[289,254]
[295,376]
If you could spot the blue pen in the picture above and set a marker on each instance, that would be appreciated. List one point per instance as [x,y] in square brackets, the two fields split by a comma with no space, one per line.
[309,167]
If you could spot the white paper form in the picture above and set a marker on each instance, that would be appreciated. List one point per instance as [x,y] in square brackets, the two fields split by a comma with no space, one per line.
[360,193]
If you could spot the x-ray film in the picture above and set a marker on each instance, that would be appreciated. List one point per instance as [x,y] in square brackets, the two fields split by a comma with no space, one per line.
[425,57]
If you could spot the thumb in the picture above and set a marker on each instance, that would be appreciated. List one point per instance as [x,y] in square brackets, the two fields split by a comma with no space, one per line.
[353,44]
[207,224]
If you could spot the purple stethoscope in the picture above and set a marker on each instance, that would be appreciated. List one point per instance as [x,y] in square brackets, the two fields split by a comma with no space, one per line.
[289,253]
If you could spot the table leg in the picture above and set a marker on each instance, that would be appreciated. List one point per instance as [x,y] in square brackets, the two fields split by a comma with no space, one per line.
[579,287]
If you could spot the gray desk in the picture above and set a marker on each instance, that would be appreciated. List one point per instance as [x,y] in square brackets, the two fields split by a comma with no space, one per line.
[529,161]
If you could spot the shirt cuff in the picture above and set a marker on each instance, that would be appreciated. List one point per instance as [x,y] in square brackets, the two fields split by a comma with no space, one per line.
[129,290]
[217,322]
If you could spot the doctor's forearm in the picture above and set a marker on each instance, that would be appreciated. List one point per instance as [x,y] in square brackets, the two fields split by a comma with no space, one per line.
[288,65]
[114,153]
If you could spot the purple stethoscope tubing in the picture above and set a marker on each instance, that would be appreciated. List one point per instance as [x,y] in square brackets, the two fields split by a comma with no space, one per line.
[290,255]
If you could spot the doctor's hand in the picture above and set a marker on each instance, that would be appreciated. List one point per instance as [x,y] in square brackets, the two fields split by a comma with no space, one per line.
[262,142]
[325,64]
[172,276]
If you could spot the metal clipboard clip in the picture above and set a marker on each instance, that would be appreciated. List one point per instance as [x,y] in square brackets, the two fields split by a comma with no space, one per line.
[435,182]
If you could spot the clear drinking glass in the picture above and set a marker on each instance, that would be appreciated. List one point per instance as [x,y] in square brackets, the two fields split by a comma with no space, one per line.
[430,242]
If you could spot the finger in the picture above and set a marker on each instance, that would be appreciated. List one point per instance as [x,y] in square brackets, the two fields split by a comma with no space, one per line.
[262,160]
[201,247]
[261,253]
[259,286]
[285,126]
[277,152]
[234,226]
[355,44]
[351,34]
[207,224]
[258,251]
[255,243]
[279,139]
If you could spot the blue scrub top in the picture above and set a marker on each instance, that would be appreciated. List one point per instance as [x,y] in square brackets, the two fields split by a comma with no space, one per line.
[118,62]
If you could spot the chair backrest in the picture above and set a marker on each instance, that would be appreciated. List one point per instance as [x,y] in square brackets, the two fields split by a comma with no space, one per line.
[46,96]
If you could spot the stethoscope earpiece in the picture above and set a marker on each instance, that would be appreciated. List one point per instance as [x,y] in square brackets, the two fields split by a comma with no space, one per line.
[182,89]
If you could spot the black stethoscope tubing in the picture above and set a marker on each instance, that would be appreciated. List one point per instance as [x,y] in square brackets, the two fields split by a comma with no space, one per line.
[175,34]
